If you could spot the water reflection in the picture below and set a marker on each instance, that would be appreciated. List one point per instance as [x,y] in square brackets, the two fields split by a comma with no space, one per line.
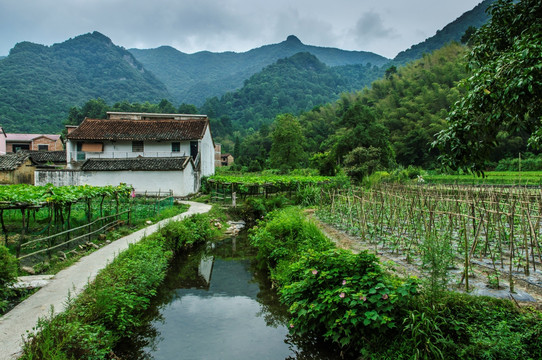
[215,304]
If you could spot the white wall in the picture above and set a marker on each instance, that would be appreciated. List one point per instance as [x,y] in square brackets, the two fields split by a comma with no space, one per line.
[207,150]
[56,177]
[182,183]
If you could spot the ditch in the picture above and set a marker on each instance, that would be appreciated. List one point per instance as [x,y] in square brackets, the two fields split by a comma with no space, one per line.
[216,302]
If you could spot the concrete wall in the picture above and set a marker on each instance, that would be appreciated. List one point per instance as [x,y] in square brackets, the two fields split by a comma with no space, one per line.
[57,177]
[182,183]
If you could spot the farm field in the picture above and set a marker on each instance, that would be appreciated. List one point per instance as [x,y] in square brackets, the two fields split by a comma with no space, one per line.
[497,229]
[524,178]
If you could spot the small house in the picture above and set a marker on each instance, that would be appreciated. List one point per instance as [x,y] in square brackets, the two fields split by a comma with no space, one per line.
[11,143]
[19,167]
[151,152]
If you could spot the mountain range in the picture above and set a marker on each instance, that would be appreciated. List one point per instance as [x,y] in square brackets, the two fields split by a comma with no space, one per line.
[39,84]
[192,78]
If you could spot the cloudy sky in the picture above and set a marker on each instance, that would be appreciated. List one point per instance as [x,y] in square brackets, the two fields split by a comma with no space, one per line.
[385,27]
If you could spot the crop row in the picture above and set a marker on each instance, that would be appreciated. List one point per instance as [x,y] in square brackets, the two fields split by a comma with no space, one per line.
[498,228]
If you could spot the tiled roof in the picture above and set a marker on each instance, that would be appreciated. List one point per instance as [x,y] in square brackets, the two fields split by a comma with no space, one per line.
[42,157]
[158,129]
[12,161]
[137,164]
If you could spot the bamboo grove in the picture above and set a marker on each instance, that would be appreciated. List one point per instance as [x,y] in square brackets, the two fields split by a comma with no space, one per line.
[498,228]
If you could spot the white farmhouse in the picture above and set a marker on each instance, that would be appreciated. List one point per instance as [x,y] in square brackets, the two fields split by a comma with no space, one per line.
[151,152]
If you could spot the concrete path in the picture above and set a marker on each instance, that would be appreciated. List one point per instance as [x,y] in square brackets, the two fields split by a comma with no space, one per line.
[15,324]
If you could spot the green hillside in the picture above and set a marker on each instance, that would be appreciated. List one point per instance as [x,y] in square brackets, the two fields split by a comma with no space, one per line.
[39,84]
[451,32]
[192,78]
[291,85]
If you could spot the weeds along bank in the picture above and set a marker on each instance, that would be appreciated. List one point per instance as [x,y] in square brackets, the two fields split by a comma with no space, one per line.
[353,302]
[112,307]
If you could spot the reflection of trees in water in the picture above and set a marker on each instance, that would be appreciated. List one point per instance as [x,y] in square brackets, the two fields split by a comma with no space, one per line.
[183,273]
[311,348]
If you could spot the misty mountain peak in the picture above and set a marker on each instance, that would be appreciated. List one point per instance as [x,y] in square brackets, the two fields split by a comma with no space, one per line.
[292,39]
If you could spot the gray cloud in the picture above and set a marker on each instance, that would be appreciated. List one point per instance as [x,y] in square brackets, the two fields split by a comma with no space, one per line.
[370,28]
[384,27]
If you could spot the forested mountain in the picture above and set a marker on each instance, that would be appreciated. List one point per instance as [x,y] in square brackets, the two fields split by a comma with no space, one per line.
[394,121]
[451,32]
[39,84]
[291,85]
[192,78]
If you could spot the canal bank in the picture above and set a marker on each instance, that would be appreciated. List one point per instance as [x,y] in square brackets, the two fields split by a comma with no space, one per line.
[68,283]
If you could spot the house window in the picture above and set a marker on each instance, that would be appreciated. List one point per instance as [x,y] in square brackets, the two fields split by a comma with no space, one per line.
[43,147]
[175,147]
[137,146]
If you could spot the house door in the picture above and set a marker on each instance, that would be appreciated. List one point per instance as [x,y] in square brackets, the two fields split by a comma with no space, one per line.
[194,149]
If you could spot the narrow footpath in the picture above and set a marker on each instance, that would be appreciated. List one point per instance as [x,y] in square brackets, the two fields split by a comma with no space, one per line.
[69,282]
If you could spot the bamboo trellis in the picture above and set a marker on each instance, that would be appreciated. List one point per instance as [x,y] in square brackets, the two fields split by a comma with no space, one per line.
[497,226]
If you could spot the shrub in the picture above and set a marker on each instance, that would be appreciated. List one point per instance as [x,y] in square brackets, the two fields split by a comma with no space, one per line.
[285,235]
[8,275]
[178,234]
[343,296]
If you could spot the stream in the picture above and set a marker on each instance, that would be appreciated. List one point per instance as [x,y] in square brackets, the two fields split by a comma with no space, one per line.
[215,303]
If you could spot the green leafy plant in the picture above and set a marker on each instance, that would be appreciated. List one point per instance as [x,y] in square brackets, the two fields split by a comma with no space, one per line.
[343,296]
[8,275]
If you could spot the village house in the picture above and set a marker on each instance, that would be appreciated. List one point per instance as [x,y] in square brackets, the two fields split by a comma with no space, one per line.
[226,159]
[11,143]
[151,152]
[19,167]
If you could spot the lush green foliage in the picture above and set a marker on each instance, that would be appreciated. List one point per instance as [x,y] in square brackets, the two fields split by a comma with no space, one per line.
[291,85]
[179,234]
[8,275]
[343,296]
[287,148]
[288,181]
[399,114]
[503,92]
[490,178]
[284,236]
[331,293]
[527,162]
[25,195]
[113,305]
[39,84]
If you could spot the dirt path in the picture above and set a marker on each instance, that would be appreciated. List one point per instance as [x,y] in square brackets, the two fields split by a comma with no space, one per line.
[71,281]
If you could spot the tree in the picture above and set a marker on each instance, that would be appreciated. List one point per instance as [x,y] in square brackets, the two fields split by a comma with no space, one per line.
[504,91]
[362,162]
[187,109]
[165,107]
[287,146]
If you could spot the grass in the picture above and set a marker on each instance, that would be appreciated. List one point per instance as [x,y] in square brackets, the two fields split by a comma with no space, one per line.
[524,178]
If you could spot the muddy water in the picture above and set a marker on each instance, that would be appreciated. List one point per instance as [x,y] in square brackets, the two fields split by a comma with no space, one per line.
[216,304]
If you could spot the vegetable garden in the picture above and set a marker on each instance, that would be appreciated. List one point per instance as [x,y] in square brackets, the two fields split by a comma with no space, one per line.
[40,222]
[222,187]
[497,228]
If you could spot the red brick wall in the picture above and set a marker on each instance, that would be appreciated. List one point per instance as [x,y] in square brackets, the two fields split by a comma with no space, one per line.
[53,145]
